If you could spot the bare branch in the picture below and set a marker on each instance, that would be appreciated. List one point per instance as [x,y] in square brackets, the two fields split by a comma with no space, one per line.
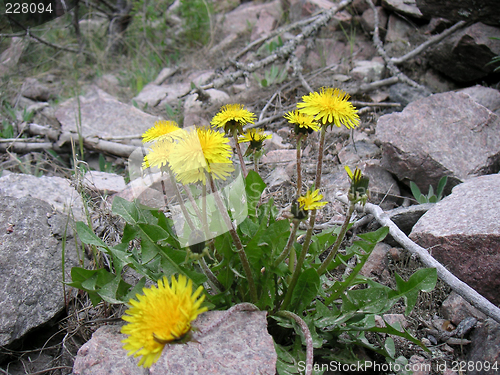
[380,49]
[435,39]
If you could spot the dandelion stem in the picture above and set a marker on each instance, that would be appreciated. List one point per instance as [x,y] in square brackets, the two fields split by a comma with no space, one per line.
[299,166]
[179,198]
[236,240]
[338,241]
[240,155]
[309,233]
[255,163]
[211,277]
[289,244]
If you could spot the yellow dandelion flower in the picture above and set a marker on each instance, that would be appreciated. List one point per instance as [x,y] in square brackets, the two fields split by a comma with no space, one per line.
[231,117]
[200,151]
[160,316]
[158,154]
[330,106]
[161,129]
[311,200]
[254,135]
[303,122]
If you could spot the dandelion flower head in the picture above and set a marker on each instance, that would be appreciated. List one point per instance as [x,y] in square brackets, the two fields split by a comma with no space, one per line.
[160,316]
[158,153]
[254,135]
[201,150]
[311,200]
[302,121]
[330,106]
[231,117]
[161,129]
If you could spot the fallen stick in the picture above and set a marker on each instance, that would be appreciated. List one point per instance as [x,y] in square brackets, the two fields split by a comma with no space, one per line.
[464,290]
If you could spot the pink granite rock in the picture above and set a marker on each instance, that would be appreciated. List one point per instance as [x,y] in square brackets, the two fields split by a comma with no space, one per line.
[240,346]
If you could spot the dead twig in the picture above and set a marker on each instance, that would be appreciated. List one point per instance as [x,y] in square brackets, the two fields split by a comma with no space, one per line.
[435,39]
[380,49]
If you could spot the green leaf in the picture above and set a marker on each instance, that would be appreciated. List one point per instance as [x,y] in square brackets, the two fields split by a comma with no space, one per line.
[376,236]
[369,300]
[431,192]
[113,291]
[423,280]
[441,184]
[306,290]
[254,186]
[127,210]
[87,236]
[415,191]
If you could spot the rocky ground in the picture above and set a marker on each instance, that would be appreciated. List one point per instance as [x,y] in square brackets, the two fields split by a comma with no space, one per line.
[425,115]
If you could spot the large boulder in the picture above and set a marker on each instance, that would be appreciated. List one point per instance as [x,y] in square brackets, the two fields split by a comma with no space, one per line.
[240,345]
[443,134]
[99,114]
[463,233]
[31,260]
[465,56]
[56,191]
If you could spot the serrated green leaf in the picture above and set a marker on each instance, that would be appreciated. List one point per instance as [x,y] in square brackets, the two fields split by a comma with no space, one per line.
[305,291]
[422,280]
[127,210]
[87,235]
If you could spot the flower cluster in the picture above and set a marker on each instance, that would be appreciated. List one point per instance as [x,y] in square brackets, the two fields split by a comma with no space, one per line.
[192,154]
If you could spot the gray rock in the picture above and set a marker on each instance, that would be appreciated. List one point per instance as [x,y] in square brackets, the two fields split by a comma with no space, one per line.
[486,96]
[239,346]
[398,30]
[444,134]
[277,177]
[376,262]
[33,89]
[367,21]
[462,231]
[465,55]
[56,191]
[486,11]
[485,348]
[102,115]
[405,94]
[31,291]
[10,56]
[164,74]
[279,156]
[246,16]
[384,189]
[368,71]
[406,217]
[151,95]
[354,152]
[456,309]
[405,7]
[104,182]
